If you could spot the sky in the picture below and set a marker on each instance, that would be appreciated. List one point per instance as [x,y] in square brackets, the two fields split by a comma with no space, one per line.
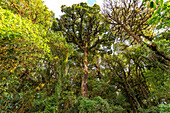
[91,2]
[55,5]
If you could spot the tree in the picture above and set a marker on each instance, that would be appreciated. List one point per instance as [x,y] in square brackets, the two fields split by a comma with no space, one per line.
[83,26]
[130,20]
[22,50]
[34,10]
[118,60]
[29,54]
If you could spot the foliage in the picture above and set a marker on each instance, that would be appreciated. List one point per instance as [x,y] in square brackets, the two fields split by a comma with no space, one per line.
[161,16]
[25,47]
[83,26]
[123,64]
[34,10]
[22,50]
[95,105]
[164,108]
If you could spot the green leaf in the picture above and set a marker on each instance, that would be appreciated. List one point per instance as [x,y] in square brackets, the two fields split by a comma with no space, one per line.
[157,2]
[152,4]
[161,2]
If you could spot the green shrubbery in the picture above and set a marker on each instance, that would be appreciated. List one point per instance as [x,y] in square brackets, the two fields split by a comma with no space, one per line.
[41,68]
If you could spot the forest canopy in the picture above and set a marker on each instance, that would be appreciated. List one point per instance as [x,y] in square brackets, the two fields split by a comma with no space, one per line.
[110,59]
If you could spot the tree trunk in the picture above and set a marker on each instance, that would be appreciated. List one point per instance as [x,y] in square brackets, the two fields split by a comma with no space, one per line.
[141,85]
[84,88]
[130,100]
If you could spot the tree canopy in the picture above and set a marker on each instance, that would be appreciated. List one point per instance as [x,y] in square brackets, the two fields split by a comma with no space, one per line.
[83,26]
[110,60]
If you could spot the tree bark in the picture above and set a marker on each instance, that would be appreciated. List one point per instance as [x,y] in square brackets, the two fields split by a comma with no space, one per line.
[130,100]
[84,87]
[142,87]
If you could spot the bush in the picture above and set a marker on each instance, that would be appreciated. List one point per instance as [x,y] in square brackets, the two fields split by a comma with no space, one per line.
[99,105]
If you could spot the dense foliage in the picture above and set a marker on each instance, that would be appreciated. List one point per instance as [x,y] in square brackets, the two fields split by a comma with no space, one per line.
[117,61]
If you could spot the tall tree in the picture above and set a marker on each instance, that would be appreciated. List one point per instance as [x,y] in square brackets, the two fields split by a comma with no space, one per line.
[29,54]
[83,26]
[23,47]
[130,21]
